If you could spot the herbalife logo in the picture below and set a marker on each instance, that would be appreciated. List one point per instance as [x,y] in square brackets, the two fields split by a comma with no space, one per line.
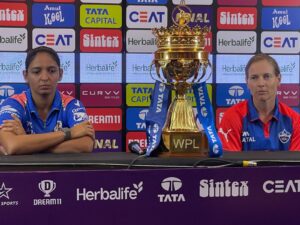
[212,189]
[288,68]
[11,66]
[66,65]
[171,185]
[233,68]
[120,193]
[4,196]
[108,67]
[47,187]
[13,39]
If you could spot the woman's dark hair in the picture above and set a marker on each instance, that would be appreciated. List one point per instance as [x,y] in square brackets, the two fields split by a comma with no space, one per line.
[260,57]
[32,53]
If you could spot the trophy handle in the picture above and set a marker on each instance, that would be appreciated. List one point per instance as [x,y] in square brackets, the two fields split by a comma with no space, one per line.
[161,79]
[204,67]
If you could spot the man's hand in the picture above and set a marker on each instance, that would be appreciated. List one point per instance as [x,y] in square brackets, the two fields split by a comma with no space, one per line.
[83,129]
[14,126]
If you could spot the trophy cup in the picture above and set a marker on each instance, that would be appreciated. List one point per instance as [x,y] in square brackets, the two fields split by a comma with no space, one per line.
[181,61]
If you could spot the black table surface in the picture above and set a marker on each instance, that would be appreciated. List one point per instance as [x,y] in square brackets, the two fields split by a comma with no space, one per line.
[130,160]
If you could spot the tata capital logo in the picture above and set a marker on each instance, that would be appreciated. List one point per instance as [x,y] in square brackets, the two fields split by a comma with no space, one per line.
[171,185]
[117,194]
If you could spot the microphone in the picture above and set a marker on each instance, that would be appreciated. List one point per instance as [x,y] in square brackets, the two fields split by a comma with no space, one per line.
[136,148]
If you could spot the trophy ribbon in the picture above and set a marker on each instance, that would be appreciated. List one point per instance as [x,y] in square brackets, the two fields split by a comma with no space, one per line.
[156,116]
[206,118]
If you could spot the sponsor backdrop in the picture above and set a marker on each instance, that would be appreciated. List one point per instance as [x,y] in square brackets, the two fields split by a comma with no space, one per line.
[169,196]
[106,49]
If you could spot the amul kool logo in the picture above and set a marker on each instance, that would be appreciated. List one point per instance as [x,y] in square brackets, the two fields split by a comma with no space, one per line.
[122,193]
[53,15]
[146,16]
[100,40]
[241,18]
[101,16]
[13,14]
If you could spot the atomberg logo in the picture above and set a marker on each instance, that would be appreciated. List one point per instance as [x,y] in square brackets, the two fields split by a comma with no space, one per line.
[280,18]
[193,2]
[13,39]
[100,40]
[53,15]
[101,16]
[241,18]
[58,39]
[13,14]
[280,3]
[146,16]
[140,41]
[106,95]
[101,68]
[139,137]
[108,142]
[280,42]
[236,41]
[105,119]
[135,118]
[138,94]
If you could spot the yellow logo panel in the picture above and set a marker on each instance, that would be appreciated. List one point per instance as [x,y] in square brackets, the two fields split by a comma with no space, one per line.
[138,94]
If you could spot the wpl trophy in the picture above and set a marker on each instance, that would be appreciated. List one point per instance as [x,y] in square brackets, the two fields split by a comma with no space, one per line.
[181,62]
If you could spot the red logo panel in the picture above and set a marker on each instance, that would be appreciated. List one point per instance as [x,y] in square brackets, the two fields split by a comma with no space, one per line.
[240,18]
[289,94]
[100,40]
[105,119]
[140,137]
[13,14]
[281,2]
[67,89]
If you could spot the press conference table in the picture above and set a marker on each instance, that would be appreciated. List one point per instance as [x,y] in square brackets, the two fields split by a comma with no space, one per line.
[123,188]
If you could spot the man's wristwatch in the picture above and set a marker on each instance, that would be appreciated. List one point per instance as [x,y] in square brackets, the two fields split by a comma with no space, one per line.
[67,132]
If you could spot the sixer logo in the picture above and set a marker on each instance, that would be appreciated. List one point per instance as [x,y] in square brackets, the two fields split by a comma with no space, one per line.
[58,39]
[146,16]
[242,18]
[100,40]
[13,14]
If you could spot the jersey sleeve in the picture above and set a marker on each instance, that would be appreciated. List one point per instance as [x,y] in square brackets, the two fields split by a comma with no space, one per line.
[75,113]
[230,130]
[295,142]
[11,106]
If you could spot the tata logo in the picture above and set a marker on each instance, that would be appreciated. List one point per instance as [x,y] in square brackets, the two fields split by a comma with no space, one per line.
[6,91]
[236,91]
[171,185]
[61,40]
[280,42]
[146,16]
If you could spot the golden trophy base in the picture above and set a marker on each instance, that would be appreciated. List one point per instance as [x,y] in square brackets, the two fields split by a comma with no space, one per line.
[184,144]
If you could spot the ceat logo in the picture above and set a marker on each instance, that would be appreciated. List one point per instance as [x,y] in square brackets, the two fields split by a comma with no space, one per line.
[100,40]
[146,16]
[13,14]
[58,39]
[241,18]
[280,42]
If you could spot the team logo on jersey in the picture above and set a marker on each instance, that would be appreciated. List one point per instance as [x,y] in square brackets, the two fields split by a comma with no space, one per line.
[284,136]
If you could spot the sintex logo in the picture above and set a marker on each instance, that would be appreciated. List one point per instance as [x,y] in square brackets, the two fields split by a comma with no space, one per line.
[241,18]
[101,16]
[13,14]
[101,40]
